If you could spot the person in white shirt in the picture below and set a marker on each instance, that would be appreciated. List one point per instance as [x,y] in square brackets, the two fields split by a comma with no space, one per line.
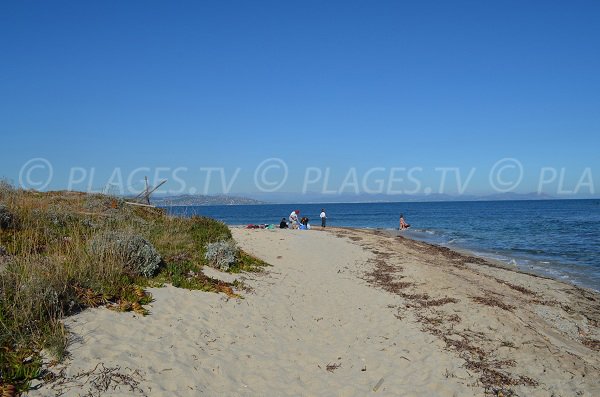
[294,219]
[323,217]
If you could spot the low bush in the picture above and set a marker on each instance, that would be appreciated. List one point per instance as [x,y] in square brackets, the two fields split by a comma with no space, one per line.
[221,254]
[7,219]
[135,252]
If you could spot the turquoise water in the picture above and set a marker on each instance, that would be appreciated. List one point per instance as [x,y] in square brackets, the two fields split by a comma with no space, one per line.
[557,238]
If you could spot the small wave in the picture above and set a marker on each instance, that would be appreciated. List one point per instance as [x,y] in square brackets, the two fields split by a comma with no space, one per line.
[457,240]
[423,231]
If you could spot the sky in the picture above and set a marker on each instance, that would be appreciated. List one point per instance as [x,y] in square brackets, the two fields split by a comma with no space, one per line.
[389,97]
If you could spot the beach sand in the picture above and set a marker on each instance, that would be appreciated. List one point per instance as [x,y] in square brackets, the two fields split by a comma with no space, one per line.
[346,312]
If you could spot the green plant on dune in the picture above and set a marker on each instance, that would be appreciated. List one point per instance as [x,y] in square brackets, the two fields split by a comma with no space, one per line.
[61,252]
[135,252]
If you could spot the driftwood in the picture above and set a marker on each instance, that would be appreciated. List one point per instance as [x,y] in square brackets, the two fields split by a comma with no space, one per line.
[140,204]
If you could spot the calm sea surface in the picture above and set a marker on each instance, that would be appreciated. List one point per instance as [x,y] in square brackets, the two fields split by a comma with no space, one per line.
[557,238]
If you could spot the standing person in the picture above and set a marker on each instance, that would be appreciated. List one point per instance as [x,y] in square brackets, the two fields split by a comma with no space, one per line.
[323,217]
[294,219]
[403,224]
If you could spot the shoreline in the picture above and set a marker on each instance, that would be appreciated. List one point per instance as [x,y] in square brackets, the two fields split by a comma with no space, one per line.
[492,261]
[465,251]
[558,312]
[469,253]
[515,232]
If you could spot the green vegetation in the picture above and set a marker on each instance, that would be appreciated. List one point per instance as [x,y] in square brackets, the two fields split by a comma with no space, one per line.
[247,263]
[61,252]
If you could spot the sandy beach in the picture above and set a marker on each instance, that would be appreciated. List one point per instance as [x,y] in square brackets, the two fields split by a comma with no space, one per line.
[345,312]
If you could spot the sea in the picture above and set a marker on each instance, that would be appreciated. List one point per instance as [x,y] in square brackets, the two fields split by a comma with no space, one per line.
[554,238]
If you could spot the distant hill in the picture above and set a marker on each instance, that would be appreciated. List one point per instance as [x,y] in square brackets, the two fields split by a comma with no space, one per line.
[517,196]
[313,197]
[198,199]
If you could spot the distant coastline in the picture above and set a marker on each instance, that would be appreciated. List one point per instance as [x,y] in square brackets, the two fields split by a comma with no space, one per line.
[312,198]
[202,200]
[349,198]
[296,199]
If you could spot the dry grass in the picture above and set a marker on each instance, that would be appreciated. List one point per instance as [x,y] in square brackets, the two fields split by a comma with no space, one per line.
[48,269]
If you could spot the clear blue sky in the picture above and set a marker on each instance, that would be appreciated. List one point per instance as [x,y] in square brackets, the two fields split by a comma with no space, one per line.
[343,84]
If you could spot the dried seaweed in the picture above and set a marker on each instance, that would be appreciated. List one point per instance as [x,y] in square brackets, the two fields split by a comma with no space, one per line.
[454,318]
[522,290]
[551,303]
[492,375]
[593,344]
[470,346]
[384,276]
[424,301]
[332,367]
[491,301]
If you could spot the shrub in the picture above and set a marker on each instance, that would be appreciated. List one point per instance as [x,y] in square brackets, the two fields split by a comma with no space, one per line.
[32,293]
[7,219]
[135,252]
[59,216]
[221,255]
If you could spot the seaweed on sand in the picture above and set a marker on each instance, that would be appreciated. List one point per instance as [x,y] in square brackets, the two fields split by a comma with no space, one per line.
[491,301]
[468,345]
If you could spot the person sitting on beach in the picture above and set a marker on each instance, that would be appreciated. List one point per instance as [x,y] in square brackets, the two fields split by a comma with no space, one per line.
[403,224]
[283,224]
[304,225]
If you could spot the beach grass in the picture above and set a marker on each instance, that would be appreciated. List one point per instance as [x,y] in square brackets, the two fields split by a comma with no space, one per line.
[53,263]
